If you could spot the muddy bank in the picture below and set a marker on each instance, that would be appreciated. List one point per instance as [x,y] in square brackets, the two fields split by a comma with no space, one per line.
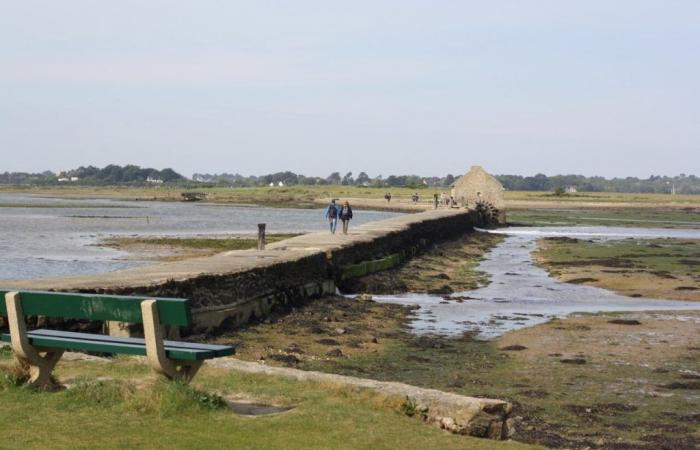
[652,268]
[600,381]
[173,248]
[443,268]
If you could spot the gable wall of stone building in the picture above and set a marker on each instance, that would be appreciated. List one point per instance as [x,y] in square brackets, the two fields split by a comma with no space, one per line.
[478,184]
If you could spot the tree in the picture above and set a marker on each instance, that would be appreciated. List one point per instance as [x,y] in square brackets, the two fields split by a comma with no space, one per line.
[347,179]
[334,178]
[362,179]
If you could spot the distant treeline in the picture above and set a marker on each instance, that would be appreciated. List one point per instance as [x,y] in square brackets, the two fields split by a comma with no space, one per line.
[291,178]
[135,175]
[683,184]
[93,176]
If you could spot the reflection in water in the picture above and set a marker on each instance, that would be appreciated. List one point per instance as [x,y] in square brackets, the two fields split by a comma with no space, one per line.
[522,294]
[56,237]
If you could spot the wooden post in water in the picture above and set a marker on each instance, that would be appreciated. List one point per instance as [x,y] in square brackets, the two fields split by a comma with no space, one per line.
[261,236]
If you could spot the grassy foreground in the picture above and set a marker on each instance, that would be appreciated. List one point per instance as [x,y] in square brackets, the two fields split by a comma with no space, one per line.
[655,268]
[117,404]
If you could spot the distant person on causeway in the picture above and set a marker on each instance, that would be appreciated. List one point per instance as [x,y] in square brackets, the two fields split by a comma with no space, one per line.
[345,216]
[332,213]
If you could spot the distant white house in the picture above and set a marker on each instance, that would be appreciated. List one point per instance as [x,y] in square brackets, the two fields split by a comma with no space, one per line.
[272,184]
[571,190]
[74,178]
[280,184]
[154,180]
[63,180]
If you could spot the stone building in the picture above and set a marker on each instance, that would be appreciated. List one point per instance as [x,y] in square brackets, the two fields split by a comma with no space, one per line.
[478,185]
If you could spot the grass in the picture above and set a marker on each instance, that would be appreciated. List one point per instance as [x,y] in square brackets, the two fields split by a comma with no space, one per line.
[604,197]
[656,268]
[307,194]
[292,196]
[223,244]
[627,217]
[116,405]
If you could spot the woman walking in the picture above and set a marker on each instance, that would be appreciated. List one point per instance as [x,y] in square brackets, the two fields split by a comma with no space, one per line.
[345,216]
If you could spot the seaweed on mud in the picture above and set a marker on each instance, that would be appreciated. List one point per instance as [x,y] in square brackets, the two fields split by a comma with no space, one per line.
[582,280]
[692,385]
[605,262]
[690,262]
[624,322]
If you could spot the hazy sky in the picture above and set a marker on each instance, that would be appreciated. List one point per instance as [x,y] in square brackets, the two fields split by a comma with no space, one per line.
[609,87]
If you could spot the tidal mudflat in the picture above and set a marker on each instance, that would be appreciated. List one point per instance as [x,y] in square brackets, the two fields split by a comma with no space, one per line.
[46,237]
[608,380]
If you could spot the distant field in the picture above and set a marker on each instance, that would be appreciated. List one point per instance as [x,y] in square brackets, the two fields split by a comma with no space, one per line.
[293,196]
[304,196]
[597,197]
[612,216]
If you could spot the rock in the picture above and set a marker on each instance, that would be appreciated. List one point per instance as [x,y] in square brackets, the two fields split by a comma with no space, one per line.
[509,428]
[573,361]
[442,276]
[374,340]
[326,341]
[495,430]
[444,289]
[513,348]
[364,298]
[447,423]
[335,353]
[294,348]
[316,329]
[340,331]
[288,360]
[625,322]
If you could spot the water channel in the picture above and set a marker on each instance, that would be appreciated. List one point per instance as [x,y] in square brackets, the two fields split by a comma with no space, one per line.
[523,294]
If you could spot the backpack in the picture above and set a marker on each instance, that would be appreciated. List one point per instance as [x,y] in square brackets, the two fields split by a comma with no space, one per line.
[332,212]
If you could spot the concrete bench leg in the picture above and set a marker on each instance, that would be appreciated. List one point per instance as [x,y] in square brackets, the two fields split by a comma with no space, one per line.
[155,348]
[40,362]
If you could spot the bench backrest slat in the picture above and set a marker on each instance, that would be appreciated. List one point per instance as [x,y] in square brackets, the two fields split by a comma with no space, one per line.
[172,311]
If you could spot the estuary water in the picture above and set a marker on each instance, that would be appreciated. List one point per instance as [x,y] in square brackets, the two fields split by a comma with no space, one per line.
[46,237]
[523,294]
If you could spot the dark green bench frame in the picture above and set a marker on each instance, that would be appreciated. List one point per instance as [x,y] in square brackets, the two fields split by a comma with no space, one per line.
[40,350]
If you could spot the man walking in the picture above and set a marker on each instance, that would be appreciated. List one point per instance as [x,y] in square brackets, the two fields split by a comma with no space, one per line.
[345,216]
[332,216]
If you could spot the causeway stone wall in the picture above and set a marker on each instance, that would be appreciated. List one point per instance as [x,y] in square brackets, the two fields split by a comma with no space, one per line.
[231,288]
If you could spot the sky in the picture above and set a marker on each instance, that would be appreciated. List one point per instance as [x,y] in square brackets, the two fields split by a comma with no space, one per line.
[592,87]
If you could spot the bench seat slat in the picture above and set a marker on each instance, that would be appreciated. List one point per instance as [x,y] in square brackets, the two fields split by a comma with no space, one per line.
[135,346]
[218,350]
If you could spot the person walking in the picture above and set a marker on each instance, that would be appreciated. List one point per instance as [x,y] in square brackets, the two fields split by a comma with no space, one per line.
[332,213]
[345,216]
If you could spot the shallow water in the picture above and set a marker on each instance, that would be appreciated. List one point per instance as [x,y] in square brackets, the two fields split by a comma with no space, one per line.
[45,237]
[522,294]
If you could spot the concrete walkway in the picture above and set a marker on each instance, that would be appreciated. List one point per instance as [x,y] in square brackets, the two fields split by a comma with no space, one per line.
[234,261]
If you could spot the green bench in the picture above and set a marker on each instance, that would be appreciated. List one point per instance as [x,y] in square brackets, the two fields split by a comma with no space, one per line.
[40,350]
